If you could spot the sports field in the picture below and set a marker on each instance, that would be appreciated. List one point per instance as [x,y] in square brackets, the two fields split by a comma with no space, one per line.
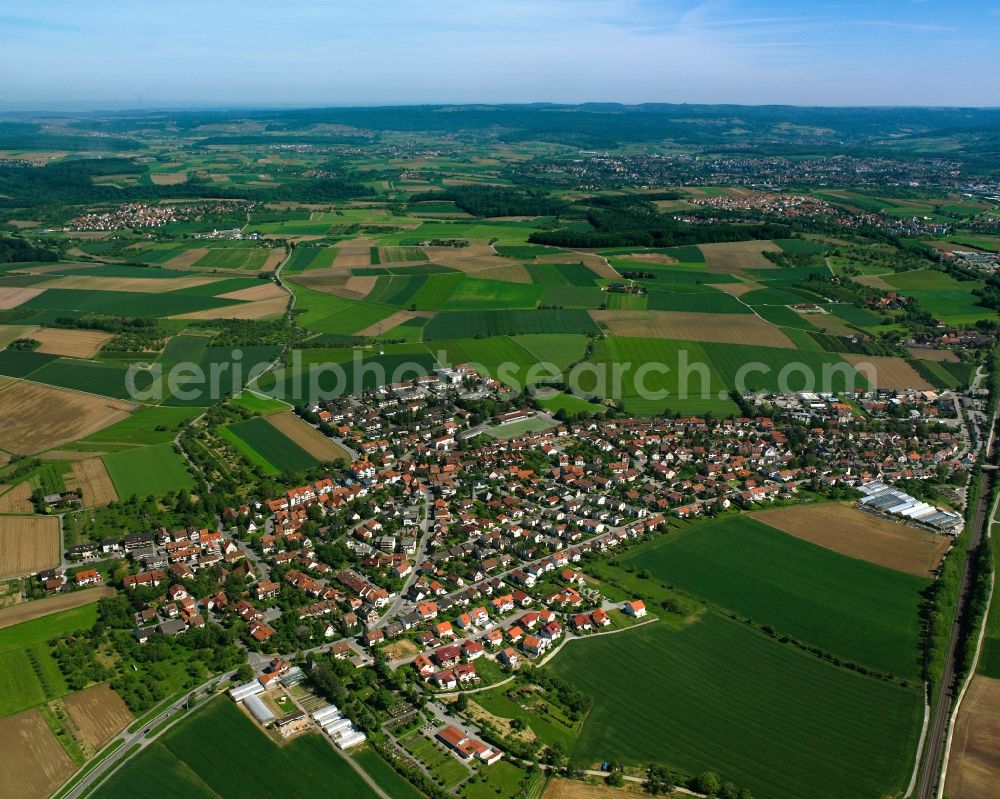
[719,696]
[241,761]
[854,609]
[155,470]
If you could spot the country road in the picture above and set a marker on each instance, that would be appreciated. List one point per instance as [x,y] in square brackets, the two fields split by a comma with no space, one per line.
[931,765]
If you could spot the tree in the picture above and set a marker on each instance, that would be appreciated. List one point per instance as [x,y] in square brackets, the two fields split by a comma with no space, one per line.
[707,783]
[244,673]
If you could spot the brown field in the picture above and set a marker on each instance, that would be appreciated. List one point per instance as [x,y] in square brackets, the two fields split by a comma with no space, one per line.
[150,285]
[35,763]
[506,272]
[69,455]
[735,256]
[859,534]
[17,500]
[875,282]
[61,267]
[691,326]
[927,354]
[479,714]
[262,309]
[42,417]
[274,259]
[93,482]
[9,333]
[894,373]
[29,611]
[574,789]
[28,544]
[974,762]
[388,323]
[12,297]
[598,264]
[355,253]
[187,258]
[651,258]
[21,224]
[400,649]
[168,178]
[737,289]
[307,437]
[96,714]
[74,343]
[828,323]
[948,246]
[265,291]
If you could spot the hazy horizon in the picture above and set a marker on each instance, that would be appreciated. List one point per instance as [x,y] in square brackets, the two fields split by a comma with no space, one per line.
[879,53]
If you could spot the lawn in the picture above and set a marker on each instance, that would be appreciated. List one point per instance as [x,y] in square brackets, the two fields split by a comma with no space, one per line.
[856,610]
[241,761]
[272,445]
[28,673]
[155,470]
[716,695]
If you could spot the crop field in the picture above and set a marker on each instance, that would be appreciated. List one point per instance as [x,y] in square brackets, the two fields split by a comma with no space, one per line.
[73,343]
[13,296]
[17,499]
[35,763]
[56,303]
[859,317]
[942,295]
[561,349]
[38,608]
[41,417]
[28,544]
[974,762]
[258,404]
[458,324]
[307,437]
[142,285]
[93,482]
[28,673]
[705,300]
[155,469]
[345,370]
[9,333]
[736,256]
[886,372]
[150,425]
[858,534]
[854,609]
[326,313]
[242,761]
[97,714]
[21,363]
[305,258]
[765,715]
[730,329]
[272,445]
[384,774]
[401,255]
[562,274]
[470,293]
[93,377]
[249,258]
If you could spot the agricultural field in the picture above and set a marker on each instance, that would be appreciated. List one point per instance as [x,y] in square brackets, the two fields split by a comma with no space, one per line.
[858,534]
[732,329]
[258,404]
[148,425]
[242,761]
[28,544]
[35,763]
[155,469]
[762,714]
[384,774]
[39,608]
[271,445]
[93,482]
[96,715]
[307,437]
[72,343]
[943,296]
[17,499]
[974,761]
[29,675]
[856,610]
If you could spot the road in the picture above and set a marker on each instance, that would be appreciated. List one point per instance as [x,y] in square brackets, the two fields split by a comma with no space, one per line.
[937,733]
[143,737]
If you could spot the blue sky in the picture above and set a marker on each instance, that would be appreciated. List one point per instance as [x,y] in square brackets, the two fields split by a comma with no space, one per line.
[149,53]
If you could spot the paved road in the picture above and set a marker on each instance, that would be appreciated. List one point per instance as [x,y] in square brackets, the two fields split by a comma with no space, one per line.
[143,737]
[930,767]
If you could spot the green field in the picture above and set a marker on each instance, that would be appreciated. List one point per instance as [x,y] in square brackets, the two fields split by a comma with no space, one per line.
[29,675]
[107,379]
[255,403]
[856,610]
[326,313]
[719,696]
[218,752]
[439,762]
[948,299]
[464,324]
[273,446]
[155,470]
[385,775]
[146,426]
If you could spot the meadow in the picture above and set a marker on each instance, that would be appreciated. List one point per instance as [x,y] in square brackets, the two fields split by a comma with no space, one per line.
[720,696]
[241,761]
[856,610]
[154,469]
[149,425]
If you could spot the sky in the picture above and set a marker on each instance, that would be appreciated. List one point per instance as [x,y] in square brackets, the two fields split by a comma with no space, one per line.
[109,54]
